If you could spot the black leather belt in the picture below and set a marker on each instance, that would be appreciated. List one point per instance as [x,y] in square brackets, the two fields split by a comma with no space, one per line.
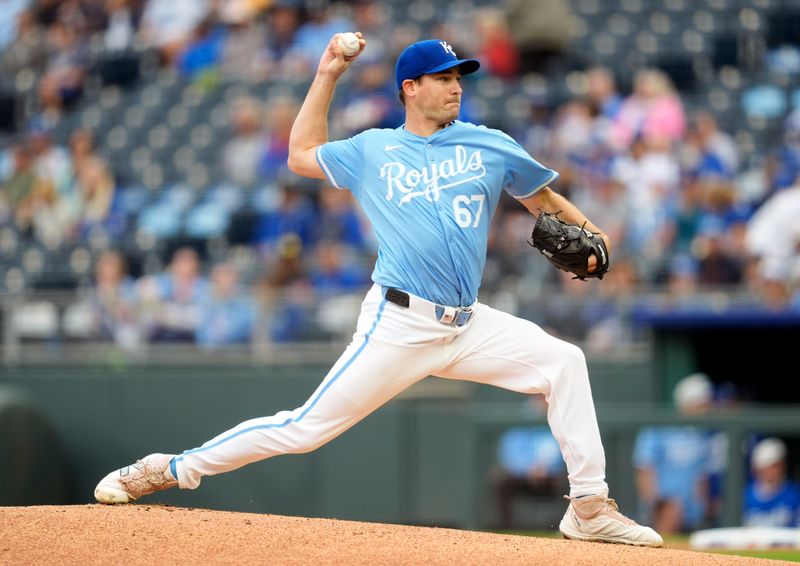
[451,316]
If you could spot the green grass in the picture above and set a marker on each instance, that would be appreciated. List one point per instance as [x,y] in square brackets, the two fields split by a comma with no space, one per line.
[681,542]
[787,555]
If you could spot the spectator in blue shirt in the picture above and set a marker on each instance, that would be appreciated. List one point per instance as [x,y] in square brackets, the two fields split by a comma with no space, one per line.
[529,464]
[340,219]
[674,464]
[170,300]
[294,217]
[770,499]
[228,316]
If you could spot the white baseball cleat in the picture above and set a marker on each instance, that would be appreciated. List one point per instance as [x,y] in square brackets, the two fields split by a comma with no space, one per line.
[145,476]
[597,518]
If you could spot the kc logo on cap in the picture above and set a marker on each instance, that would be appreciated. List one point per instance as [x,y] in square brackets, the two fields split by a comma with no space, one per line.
[446,46]
[428,57]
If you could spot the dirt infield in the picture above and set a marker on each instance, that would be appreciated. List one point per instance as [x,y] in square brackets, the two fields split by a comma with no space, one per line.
[156,534]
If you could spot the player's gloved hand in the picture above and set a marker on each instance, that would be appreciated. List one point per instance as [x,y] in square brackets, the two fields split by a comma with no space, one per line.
[569,246]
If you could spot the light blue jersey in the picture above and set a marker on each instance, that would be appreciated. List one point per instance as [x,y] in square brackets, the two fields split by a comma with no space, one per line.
[430,201]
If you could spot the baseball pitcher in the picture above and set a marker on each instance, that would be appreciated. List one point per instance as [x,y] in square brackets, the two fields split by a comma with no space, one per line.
[429,188]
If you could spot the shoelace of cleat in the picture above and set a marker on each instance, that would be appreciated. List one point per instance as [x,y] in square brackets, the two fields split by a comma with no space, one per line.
[146,477]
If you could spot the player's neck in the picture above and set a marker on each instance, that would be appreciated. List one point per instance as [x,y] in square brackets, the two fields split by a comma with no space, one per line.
[424,127]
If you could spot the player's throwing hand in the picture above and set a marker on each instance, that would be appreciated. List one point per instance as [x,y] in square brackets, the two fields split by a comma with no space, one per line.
[334,62]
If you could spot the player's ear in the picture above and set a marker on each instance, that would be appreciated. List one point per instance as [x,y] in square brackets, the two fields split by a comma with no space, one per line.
[410,87]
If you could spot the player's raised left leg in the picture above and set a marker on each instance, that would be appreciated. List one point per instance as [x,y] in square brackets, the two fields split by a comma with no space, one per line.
[597,518]
[503,350]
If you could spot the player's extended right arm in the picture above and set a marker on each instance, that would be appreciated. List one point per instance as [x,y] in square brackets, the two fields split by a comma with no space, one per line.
[310,128]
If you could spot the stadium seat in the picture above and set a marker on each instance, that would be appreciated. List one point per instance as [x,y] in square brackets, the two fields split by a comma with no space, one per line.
[130,199]
[163,218]
[159,220]
[631,6]
[9,243]
[794,97]
[421,11]
[764,101]
[35,320]
[207,220]
[675,6]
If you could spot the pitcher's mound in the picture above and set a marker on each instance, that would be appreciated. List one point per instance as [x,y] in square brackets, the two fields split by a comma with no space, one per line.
[157,534]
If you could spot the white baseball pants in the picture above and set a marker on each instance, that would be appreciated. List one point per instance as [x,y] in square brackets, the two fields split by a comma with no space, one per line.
[395,347]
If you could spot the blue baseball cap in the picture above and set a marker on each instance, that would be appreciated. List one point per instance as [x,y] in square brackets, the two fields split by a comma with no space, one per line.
[427,57]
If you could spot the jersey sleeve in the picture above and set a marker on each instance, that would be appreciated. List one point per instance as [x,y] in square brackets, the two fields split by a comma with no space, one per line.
[343,161]
[524,175]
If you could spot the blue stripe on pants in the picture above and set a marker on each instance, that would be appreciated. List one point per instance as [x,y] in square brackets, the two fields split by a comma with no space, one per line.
[310,406]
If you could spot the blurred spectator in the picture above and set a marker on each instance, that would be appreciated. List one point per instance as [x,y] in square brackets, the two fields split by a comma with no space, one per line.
[119,61]
[338,281]
[229,314]
[57,215]
[294,215]
[172,299]
[243,56]
[200,57]
[371,102]
[573,134]
[281,112]
[53,161]
[770,499]
[334,271]
[785,172]
[93,181]
[284,19]
[772,284]
[112,302]
[651,176]
[28,49]
[507,262]
[681,281]
[534,133]
[9,20]
[25,190]
[47,11]
[716,265]
[564,316]
[602,93]
[341,220]
[708,151]
[674,464]
[371,17]
[6,166]
[609,200]
[606,318]
[688,216]
[61,85]
[124,17]
[653,112]
[773,235]
[542,31]
[286,295]
[168,25]
[313,35]
[25,50]
[243,151]
[86,17]
[495,48]
[529,464]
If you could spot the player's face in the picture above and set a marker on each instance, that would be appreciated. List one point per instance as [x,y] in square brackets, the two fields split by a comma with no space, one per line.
[439,96]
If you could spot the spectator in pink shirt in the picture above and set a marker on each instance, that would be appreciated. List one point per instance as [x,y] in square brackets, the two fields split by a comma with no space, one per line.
[653,111]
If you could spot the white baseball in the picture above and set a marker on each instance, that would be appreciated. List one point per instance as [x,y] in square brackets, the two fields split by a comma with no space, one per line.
[349,43]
